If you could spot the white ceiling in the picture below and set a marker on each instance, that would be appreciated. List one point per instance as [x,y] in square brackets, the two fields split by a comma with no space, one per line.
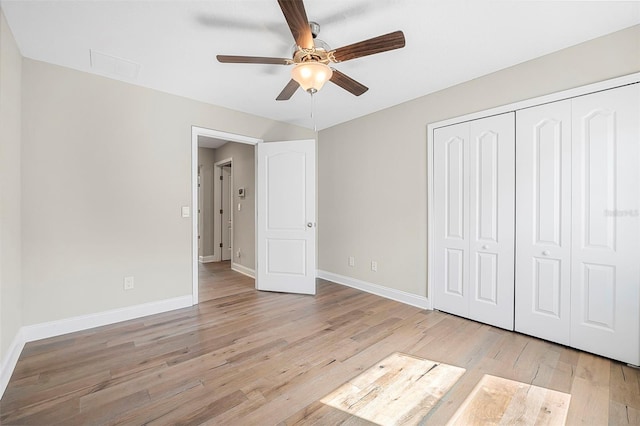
[174,42]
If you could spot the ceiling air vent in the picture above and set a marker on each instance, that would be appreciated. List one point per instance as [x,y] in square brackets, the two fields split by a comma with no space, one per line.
[113,66]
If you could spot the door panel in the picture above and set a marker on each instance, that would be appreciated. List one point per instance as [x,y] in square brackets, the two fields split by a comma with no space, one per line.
[286,259]
[286,197]
[547,173]
[451,218]
[455,188]
[492,207]
[487,279]
[486,180]
[606,232]
[543,225]
[546,282]
[598,183]
[599,290]
[454,272]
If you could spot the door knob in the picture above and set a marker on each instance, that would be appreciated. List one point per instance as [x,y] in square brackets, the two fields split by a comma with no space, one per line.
[546,253]
[309,225]
[485,247]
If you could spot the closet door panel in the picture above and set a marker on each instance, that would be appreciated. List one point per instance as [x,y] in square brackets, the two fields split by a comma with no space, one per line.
[491,219]
[606,232]
[543,223]
[451,218]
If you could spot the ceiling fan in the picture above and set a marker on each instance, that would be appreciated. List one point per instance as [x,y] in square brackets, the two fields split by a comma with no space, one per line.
[312,56]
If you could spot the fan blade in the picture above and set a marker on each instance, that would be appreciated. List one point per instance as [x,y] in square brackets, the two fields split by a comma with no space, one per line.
[231,59]
[288,91]
[391,41]
[347,83]
[294,13]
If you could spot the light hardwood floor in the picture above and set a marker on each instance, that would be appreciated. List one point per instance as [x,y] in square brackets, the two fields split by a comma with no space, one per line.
[244,357]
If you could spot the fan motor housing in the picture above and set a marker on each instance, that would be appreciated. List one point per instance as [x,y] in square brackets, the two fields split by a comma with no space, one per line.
[315,28]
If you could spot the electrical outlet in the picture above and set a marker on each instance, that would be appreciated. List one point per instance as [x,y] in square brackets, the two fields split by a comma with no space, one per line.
[128,283]
[374,266]
[352,261]
[238,253]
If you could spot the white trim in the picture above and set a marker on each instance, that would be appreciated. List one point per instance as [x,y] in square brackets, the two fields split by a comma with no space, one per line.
[10,361]
[206,259]
[378,290]
[195,132]
[30,333]
[554,97]
[243,270]
[69,325]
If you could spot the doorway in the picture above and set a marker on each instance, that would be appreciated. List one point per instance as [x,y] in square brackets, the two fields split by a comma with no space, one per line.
[246,205]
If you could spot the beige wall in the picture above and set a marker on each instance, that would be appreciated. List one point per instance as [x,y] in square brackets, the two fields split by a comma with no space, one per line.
[10,193]
[206,159]
[244,220]
[106,168]
[372,171]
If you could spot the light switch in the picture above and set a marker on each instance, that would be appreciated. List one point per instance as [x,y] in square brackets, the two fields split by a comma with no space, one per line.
[239,206]
[185,211]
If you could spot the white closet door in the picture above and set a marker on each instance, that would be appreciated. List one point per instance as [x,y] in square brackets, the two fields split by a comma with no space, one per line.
[543,224]
[473,219]
[606,232]
[451,218]
[491,219]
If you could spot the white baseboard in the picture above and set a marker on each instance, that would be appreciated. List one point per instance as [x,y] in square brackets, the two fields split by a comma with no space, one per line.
[84,322]
[30,333]
[206,259]
[243,270]
[10,361]
[378,290]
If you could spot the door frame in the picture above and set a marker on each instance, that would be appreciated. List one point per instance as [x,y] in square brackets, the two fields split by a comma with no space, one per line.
[217,222]
[515,106]
[217,134]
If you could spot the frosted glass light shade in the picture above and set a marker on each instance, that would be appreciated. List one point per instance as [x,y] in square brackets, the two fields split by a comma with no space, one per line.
[311,76]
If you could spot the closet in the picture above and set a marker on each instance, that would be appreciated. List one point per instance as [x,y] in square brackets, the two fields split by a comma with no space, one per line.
[578,224]
[556,195]
[474,219]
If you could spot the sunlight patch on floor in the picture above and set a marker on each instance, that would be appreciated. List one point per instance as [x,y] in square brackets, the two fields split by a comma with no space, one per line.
[401,389]
[498,401]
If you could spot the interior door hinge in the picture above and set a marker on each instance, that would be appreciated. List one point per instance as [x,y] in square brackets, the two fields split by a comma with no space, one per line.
[221,177]
[220,211]
[220,245]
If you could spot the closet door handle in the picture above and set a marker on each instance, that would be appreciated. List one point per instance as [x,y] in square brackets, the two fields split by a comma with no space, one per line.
[546,253]
[485,247]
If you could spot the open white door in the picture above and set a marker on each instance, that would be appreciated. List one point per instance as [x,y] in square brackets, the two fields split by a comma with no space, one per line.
[286,240]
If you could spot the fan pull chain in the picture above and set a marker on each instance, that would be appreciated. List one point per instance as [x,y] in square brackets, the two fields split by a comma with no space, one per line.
[313,106]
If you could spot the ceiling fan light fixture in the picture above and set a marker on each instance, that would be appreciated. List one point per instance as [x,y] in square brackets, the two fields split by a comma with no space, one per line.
[311,76]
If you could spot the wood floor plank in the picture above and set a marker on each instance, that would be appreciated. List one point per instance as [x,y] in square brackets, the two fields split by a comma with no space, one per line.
[590,390]
[501,401]
[624,393]
[248,357]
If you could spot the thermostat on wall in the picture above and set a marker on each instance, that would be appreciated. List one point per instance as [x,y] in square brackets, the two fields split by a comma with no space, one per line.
[241,192]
